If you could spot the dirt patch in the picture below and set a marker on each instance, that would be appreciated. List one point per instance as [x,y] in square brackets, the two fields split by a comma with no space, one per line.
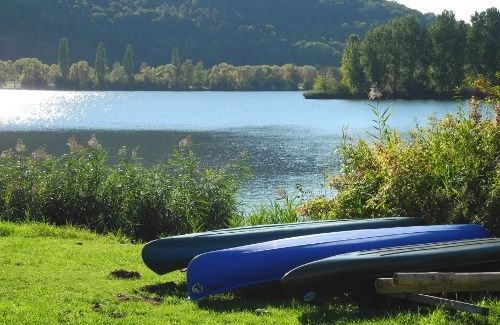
[96,306]
[160,288]
[124,274]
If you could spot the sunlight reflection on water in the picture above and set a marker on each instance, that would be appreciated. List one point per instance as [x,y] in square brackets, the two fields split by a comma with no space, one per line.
[37,109]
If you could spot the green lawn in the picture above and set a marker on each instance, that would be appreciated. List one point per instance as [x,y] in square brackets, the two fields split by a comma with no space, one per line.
[52,275]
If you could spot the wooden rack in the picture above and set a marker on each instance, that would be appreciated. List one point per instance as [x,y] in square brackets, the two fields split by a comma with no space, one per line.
[415,286]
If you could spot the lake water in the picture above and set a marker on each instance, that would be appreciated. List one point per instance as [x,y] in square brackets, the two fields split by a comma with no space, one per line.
[289,139]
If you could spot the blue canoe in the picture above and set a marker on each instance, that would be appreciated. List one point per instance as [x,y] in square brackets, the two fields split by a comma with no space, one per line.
[223,270]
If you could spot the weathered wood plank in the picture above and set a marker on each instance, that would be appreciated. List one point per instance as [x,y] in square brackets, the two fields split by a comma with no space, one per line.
[434,282]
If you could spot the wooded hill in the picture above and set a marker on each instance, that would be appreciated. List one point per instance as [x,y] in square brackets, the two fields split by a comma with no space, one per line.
[238,31]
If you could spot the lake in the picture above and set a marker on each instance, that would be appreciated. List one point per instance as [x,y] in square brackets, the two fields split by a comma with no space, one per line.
[289,140]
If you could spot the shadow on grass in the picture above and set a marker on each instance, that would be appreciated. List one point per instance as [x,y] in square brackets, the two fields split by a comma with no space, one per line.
[372,307]
[355,308]
[163,289]
[248,299]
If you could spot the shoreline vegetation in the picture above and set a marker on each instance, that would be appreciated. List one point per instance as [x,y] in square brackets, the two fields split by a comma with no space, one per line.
[407,60]
[404,58]
[340,94]
[447,172]
[84,188]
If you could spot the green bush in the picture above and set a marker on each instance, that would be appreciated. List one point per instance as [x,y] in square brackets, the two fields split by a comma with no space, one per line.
[83,188]
[283,209]
[447,172]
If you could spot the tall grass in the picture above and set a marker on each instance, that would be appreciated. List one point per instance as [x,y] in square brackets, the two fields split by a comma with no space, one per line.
[83,188]
[447,172]
[282,209]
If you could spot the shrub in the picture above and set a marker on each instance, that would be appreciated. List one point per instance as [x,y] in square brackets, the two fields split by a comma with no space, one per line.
[447,172]
[283,209]
[83,188]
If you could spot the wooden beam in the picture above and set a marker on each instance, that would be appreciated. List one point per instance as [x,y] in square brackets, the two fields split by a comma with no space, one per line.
[405,278]
[437,282]
[447,303]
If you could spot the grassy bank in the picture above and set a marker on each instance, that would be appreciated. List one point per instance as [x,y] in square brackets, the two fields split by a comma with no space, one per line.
[61,275]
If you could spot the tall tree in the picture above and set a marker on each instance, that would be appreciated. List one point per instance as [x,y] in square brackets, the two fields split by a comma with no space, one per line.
[448,38]
[176,63]
[409,49]
[353,76]
[100,64]
[63,58]
[176,58]
[484,43]
[374,57]
[128,63]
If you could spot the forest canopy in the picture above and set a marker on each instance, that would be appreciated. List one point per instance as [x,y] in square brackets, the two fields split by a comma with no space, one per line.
[237,32]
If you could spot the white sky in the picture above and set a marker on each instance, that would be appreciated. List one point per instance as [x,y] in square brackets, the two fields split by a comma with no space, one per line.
[463,9]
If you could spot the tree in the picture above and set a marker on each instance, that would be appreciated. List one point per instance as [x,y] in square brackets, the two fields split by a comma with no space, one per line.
[374,57]
[118,77]
[128,63]
[448,38]
[353,76]
[176,58]
[186,74]
[10,72]
[410,42]
[395,56]
[100,64]
[4,72]
[55,73]
[308,74]
[200,76]
[33,73]
[290,76]
[484,43]
[176,63]
[63,58]
[82,75]
[325,82]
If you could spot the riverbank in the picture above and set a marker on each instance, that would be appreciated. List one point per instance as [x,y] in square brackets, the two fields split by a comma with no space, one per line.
[73,284]
[342,94]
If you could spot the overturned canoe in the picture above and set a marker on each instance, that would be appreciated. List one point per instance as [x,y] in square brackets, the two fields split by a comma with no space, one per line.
[223,270]
[319,280]
[173,253]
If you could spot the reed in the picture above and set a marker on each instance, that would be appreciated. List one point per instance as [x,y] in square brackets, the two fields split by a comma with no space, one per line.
[84,188]
[446,172]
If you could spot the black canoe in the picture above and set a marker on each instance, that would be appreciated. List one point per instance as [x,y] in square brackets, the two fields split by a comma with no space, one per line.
[321,279]
[173,253]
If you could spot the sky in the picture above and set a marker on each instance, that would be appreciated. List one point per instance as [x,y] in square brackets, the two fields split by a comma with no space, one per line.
[463,9]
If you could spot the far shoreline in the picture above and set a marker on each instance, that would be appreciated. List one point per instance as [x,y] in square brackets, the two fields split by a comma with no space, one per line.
[444,96]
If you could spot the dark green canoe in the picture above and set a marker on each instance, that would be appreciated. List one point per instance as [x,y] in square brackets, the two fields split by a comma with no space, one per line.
[172,253]
[319,280]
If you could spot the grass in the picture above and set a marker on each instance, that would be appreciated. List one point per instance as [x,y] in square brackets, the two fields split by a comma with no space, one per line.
[62,275]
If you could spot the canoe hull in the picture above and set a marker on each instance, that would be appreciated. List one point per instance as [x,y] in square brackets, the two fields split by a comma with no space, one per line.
[173,253]
[319,280]
[267,262]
